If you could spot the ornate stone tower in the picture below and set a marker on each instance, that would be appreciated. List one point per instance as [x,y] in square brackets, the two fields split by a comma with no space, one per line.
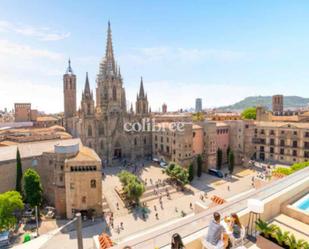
[277,104]
[141,101]
[88,115]
[69,92]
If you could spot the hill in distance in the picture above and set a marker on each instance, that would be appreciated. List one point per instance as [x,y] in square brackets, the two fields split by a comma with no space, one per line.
[289,102]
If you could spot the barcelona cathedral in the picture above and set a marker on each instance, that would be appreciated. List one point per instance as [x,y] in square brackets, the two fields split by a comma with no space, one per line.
[100,123]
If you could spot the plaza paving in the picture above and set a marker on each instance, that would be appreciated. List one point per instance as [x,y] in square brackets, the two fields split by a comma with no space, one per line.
[174,205]
[132,220]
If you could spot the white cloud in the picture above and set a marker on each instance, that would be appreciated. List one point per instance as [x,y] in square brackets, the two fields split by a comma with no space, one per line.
[169,54]
[43,34]
[43,97]
[8,48]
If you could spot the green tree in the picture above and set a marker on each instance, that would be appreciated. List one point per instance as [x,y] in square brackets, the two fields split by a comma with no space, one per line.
[32,188]
[10,203]
[219,158]
[19,172]
[177,173]
[231,162]
[199,162]
[249,113]
[228,152]
[134,190]
[132,186]
[191,172]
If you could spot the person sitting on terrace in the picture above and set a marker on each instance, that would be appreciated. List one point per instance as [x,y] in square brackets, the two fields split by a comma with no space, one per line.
[177,242]
[216,233]
[235,226]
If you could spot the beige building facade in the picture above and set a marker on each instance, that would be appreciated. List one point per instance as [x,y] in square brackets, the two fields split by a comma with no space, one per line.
[71,174]
[277,141]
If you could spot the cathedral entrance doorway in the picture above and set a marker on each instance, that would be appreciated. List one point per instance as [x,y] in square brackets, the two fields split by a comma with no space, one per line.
[117,153]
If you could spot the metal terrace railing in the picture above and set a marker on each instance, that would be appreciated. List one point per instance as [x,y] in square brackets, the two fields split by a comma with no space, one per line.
[192,225]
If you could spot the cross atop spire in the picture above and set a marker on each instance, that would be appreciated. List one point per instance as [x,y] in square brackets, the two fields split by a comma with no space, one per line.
[141,89]
[69,69]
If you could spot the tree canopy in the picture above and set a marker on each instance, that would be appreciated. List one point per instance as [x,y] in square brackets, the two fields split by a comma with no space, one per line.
[231,160]
[132,186]
[219,158]
[10,203]
[249,113]
[19,172]
[32,188]
[191,172]
[199,162]
[177,173]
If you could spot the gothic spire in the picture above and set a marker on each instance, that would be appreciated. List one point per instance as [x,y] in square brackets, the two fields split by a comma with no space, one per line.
[69,69]
[109,53]
[87,87]
[141,89]
[131,109]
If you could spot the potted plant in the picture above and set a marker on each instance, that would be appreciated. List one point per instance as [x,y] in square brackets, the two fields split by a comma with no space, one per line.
[264,239]
[271,236]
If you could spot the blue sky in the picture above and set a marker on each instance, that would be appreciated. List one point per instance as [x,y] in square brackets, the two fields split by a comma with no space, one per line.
[221,51]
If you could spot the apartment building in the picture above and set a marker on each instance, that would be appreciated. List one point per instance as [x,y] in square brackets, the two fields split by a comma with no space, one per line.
[278,141]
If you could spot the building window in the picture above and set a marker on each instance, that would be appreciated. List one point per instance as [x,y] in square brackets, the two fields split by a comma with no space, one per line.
[295,133]
[294,144]
[294,152]
[156,146]
[272,141]
[60,178]
[272,132]
[101,144]
[156,138]
[84,199]
[193,134]
[167,149]
[281,151]
[135,141]
[271,150]
[101,129]
[72,185]
[89,131]
[282,132]
[114,93]
[306,154]
[282,143]
[307,134]
[262,132]
[306,145]
[161,139]
[145,141]
[88,109]
[93,183]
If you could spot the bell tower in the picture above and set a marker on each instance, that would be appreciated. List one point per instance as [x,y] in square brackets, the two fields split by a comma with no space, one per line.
[69,92]
[141,101]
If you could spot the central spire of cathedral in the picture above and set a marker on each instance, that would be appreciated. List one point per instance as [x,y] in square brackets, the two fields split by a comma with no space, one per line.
[141,89]
[109,53]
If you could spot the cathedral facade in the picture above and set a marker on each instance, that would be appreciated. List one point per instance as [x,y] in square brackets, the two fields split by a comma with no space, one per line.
[100,123]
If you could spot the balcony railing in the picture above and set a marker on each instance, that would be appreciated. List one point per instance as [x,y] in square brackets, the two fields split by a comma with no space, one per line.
[191,225]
